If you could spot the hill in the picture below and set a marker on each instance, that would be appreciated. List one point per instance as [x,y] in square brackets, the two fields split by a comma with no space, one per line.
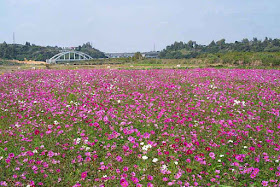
[191,49]
[40,53]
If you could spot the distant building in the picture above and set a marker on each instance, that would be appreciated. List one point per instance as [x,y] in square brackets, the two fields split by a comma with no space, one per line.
[153,54]
[119,55]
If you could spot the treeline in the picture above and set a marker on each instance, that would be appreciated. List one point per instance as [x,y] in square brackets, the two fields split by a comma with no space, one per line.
[88,49]
[180,50]
[242,58]
[39,53]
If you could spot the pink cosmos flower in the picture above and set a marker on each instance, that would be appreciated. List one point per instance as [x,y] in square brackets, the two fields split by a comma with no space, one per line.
[84,175]
[119,159]
[254,173]
[3,183]
[11,155]
[252,148]
[264,183]
[50,154]
[36,132]
[124,183]
[125,169]
[134,180]
[150,177]
[212,155]
[77,185]
[131,139]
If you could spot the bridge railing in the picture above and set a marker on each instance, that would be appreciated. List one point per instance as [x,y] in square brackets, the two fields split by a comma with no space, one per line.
[57,58]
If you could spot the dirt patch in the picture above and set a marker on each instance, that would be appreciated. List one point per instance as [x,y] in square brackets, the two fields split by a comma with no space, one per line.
[28,62]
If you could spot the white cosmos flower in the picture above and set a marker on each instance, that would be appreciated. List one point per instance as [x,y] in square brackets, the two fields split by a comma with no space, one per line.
[145,148]
[164,166]
[222,155]
[176,163]
[144,157]
[78,140]
[155,160]
[142,143]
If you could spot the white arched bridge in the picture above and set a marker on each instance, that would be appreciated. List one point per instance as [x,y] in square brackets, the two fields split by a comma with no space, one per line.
[69,56]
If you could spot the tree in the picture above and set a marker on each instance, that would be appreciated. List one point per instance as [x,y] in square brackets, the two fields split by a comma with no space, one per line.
[34,52]
[212,44]
[192,49]
[221,43]
[245,41]
[138,56]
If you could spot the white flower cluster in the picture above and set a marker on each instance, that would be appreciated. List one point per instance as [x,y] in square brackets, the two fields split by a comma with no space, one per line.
[86,148]
[78,140]
[146,147]
[75,103]
[236,102]
[213,86]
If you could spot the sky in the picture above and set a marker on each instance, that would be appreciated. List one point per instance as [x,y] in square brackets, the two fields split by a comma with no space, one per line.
[136,25]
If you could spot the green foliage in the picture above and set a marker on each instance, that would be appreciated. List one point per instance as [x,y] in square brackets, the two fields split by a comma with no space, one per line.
[243,58]
[88,49]
[39,53]
[137,56]
[151,61]
[180,50]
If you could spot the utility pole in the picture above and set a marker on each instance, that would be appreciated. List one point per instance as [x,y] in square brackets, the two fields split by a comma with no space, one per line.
[14,38]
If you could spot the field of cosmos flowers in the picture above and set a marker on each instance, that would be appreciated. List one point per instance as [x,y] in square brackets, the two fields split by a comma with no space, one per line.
[194,127]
